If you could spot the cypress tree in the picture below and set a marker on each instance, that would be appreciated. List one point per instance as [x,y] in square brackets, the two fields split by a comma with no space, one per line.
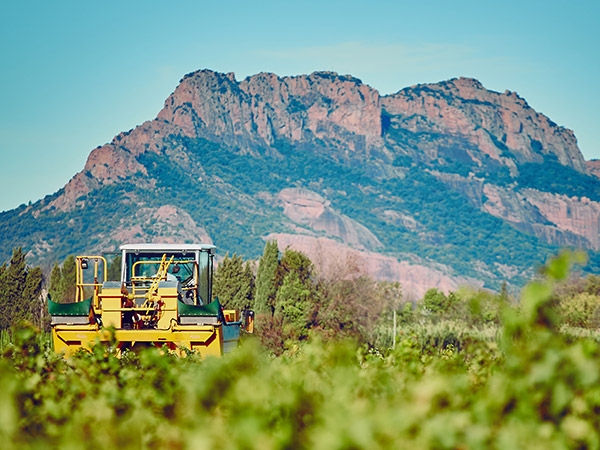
[54,290]
[4,300]
[296,297]
[233,283]
[504,296]
[266,279]
[114,269]
[294,304]
[14,277]
[31,297]
[69,279]
[20,289]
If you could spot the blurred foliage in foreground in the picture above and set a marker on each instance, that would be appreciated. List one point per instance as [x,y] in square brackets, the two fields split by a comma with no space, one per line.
[529,385]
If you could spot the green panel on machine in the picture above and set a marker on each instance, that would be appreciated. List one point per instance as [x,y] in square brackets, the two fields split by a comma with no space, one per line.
[211,309]
[70,309]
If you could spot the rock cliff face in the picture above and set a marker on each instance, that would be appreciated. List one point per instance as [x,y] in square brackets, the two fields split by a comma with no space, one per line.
[594,167]
[309,209]
[265,108]
[325,164]
[344,112]
[554,218]
[167,224]
[106,165]
[579,216]
[497,129]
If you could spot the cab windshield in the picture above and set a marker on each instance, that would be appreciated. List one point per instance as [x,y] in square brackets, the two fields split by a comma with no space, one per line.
[194,275]
[141,266]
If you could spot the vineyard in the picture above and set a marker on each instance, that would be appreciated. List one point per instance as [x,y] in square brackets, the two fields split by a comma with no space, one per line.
[526,382]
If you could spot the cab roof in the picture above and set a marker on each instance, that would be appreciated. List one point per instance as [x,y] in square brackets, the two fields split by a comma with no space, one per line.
[176,248]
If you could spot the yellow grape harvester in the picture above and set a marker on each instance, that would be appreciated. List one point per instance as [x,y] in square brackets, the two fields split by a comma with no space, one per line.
[163,299]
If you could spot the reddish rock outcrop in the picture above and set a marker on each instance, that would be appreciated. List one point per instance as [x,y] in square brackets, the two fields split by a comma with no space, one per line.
[499,126]
[105,165]
[554,218]
[593,167]
[167,224]
[309,209]
[79,186]
[264,107]
[578,216]
[327,255]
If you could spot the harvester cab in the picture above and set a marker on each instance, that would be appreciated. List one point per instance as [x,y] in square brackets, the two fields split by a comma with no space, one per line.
[163,299]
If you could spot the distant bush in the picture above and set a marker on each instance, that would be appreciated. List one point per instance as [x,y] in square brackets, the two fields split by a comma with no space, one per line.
[581,310]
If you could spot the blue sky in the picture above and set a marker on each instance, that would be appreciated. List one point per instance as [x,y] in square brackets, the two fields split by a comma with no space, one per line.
[76,73]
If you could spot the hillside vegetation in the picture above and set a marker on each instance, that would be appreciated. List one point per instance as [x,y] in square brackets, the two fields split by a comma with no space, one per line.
[456,232]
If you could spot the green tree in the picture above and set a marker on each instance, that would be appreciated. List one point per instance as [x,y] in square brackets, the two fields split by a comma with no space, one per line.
[234,283]
[435,301]
[266,280]
[592,285]
[296,297]
[114,269]
[351,308]
[294,305]
[20,291]
[293,261]
[68,279]
[63,281]
[56,284]
[580,310]
[504,297]
[32,297]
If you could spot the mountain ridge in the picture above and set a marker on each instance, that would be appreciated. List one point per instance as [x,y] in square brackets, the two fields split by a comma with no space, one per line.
[426,174]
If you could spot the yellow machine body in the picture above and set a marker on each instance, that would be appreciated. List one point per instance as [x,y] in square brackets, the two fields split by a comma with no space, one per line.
[159,301]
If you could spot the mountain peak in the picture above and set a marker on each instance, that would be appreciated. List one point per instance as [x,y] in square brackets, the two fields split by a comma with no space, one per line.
[265,108]
[335,77]
[503,131]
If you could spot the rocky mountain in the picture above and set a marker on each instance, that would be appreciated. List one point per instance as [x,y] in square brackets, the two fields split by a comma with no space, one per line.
[436,185]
